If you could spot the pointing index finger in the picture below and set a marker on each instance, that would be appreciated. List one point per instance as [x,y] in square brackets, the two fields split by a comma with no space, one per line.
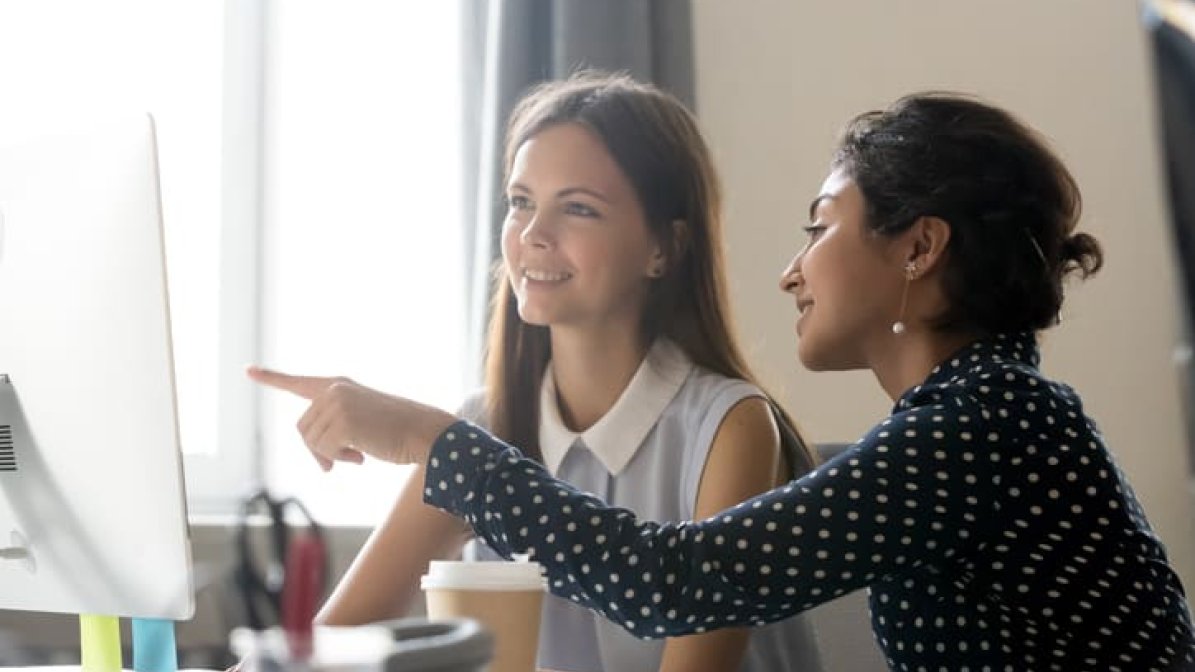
[308,387]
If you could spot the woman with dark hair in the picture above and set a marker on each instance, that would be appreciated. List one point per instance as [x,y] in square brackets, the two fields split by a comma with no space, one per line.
[985,514]
[611,360]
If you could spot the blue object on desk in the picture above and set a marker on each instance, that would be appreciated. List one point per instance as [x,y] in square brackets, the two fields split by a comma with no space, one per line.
[153,645]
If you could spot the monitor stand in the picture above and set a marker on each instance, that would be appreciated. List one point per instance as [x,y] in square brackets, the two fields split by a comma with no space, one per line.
[153,644]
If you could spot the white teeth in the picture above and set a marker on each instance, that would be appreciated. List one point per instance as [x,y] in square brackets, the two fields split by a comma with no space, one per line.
[545,276]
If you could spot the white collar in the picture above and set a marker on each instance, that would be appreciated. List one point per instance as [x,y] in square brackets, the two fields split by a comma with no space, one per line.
[616,437]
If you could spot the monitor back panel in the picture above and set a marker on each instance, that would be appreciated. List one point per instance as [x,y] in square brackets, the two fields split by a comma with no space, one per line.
[93,481]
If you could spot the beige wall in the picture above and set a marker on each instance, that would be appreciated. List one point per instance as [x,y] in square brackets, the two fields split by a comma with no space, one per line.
[778,78]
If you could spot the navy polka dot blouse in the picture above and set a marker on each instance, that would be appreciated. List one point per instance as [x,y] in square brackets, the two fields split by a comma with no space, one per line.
[985,515]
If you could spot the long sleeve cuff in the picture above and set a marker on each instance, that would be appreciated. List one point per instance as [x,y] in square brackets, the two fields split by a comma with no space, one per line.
[459,461]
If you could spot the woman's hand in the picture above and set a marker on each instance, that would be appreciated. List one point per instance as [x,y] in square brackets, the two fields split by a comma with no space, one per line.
[347,420]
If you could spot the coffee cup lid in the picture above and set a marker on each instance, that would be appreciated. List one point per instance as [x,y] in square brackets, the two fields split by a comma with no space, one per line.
[485,575]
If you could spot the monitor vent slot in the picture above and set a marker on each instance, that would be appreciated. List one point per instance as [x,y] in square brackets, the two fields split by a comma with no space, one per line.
[8,455]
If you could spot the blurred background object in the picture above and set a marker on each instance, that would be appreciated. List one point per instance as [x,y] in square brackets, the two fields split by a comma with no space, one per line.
[1171,26]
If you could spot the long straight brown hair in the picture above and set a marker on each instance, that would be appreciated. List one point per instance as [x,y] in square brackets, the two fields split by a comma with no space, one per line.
[656,143]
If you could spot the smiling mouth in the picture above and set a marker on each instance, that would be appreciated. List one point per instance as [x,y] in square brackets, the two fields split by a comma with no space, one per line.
[802,306]
[545,276]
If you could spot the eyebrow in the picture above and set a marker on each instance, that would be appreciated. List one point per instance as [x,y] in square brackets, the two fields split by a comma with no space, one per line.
[582,190]
[567,191]
[817,201]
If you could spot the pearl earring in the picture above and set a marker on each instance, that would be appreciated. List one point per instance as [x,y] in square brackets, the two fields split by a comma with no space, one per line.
[898,327]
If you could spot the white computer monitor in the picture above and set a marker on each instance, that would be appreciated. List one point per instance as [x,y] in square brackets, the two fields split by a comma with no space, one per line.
[91,480]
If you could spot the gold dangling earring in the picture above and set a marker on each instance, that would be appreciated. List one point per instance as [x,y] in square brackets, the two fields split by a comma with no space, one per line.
[898,327]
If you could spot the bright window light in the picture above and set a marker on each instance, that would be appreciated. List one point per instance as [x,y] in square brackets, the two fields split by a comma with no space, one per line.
[65,62]
[363,247]
[361,268]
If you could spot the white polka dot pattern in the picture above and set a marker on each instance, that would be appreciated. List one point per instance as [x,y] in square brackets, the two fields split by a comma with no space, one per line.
[985,515]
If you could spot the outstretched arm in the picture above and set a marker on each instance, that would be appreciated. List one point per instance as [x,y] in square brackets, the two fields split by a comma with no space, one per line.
[885,506]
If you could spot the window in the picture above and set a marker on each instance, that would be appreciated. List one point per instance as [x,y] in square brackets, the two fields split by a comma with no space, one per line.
[363,250]
[65,62]
[311,179]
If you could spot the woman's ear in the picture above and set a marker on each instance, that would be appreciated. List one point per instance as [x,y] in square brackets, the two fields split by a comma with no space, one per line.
[670,250]
[925,243]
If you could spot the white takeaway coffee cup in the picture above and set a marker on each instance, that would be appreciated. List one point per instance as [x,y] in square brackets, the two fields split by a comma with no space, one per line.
[505,597]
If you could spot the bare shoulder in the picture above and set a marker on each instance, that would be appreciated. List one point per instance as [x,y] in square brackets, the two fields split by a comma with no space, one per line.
[744,459]
[750,426]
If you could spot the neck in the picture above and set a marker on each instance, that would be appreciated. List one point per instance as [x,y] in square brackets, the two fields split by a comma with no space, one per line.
[914,355]
[591,369]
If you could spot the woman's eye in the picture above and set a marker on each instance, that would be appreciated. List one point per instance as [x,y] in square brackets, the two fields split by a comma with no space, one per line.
[814,230]
[517,202]
[579,209]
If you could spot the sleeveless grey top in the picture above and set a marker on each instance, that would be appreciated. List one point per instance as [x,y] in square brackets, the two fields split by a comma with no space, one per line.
[646,454]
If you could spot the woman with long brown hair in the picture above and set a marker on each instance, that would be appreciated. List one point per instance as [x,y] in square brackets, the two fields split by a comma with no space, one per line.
[611,361]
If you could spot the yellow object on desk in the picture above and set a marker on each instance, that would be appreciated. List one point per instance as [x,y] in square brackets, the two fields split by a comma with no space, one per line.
[99,643]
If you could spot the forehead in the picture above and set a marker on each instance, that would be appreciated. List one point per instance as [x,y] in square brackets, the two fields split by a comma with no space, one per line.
[838,192]
[836,182]
[567,153]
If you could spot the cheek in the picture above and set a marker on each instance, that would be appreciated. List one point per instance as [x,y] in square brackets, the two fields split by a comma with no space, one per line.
[627,266]
[510,242]
[867,303]
[510,261]
[840,288]
[820,271]
[592,257]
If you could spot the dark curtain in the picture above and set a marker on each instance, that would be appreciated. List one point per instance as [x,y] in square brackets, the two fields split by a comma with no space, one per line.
[1173,45]
[511,45]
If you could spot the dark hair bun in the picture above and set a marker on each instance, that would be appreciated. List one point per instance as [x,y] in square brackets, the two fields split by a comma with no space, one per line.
[1081,253]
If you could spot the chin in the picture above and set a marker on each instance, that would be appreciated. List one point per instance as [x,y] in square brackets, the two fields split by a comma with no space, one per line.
[532,311]
[813,364]
[819,359]
[807,354]
[535,320]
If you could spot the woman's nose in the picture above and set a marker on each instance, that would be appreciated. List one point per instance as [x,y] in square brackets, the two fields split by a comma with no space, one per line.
[790,279]
[537,232]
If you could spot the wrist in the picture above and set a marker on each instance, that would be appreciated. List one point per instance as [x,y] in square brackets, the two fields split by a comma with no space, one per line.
[430,424]
[437,422]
